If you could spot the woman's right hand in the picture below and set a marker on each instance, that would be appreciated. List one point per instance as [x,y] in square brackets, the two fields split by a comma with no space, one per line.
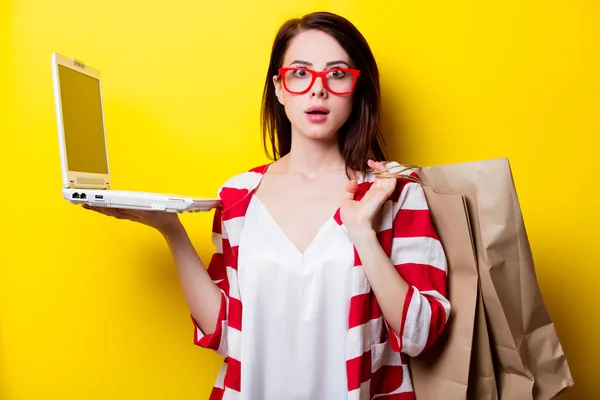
[164,222]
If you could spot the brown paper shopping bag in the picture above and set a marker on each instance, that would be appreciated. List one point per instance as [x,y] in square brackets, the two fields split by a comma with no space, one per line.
[482,378]
[529,360]
[459,366]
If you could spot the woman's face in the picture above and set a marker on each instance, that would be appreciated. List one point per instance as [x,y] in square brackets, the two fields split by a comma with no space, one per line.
[317,51]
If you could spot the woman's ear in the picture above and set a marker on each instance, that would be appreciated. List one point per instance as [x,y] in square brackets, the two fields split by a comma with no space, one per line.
[278,89]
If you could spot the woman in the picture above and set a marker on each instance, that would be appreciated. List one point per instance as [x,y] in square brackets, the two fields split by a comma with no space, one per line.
[332,268]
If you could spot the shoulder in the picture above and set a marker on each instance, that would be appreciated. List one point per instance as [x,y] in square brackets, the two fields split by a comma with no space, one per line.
[245,179]
[240,184]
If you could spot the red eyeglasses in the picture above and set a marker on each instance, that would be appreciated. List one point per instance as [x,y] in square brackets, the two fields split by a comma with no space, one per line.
[338,81]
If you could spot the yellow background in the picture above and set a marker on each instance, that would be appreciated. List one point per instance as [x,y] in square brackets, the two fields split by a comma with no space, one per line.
[91,308]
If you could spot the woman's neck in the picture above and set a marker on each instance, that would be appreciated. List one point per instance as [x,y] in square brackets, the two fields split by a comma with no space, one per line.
[312,157]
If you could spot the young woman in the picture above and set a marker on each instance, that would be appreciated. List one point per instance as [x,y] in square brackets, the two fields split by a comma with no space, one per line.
[327,271]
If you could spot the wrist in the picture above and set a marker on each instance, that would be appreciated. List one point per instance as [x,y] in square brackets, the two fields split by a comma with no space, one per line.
[172,230]
[362,236]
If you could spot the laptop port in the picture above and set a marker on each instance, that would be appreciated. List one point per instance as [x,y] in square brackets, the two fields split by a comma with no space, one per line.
[75,195]
[99,197]
[83,196]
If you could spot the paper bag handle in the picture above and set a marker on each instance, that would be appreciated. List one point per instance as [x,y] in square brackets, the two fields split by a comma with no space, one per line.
[392,171]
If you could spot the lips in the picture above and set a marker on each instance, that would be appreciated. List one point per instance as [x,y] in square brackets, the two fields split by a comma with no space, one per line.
[317,115]
[317,110]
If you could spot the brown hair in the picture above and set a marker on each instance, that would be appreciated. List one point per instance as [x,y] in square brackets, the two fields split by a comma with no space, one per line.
[360,137]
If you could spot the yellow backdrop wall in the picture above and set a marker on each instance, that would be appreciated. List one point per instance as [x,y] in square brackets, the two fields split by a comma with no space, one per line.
[91,308]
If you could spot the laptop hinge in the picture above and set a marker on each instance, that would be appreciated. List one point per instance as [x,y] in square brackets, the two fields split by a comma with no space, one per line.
[89,183]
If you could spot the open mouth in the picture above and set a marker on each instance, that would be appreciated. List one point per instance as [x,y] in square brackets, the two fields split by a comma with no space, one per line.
[317,112]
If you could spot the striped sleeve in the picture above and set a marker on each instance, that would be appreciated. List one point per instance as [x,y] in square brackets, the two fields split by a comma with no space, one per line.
[217,340]
[418,256]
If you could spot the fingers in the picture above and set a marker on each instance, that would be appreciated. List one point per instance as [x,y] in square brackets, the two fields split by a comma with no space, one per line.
[113,212]
[351,189]
[376,165]
[96,209]
[384,170]
[133,215]
[127,212]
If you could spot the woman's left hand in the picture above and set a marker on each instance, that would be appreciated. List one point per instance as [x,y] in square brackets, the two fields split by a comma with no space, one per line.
[357,216]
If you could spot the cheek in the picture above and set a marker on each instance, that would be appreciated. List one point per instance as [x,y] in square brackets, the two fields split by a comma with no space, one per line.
[342,107]
[294,106]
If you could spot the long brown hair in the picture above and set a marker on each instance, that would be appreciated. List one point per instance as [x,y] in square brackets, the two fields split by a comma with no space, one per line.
[360,137]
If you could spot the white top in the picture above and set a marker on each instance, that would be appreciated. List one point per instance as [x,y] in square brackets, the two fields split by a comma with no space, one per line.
[295,310]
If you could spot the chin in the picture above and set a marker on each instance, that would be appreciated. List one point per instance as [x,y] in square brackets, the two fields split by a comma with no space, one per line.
[326,130]
[319,132]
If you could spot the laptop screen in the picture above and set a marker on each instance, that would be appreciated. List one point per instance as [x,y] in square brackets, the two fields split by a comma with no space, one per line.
[82,121]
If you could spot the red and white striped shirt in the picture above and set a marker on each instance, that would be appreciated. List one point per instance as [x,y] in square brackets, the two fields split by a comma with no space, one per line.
[376,364]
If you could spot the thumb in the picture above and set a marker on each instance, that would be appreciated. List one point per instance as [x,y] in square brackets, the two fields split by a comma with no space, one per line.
[351,189]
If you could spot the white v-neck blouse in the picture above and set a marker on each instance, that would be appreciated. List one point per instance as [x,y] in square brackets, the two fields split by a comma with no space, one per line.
[295,318]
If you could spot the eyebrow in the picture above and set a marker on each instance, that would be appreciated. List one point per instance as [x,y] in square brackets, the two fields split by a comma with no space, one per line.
[326,65]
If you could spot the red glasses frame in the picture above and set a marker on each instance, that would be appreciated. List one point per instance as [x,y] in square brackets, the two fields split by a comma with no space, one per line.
[320,74]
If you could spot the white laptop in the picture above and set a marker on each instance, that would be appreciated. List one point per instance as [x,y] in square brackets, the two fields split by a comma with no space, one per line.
[83,154]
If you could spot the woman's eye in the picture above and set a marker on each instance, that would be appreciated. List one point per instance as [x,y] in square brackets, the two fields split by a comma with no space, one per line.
[300,73]
[337,74]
